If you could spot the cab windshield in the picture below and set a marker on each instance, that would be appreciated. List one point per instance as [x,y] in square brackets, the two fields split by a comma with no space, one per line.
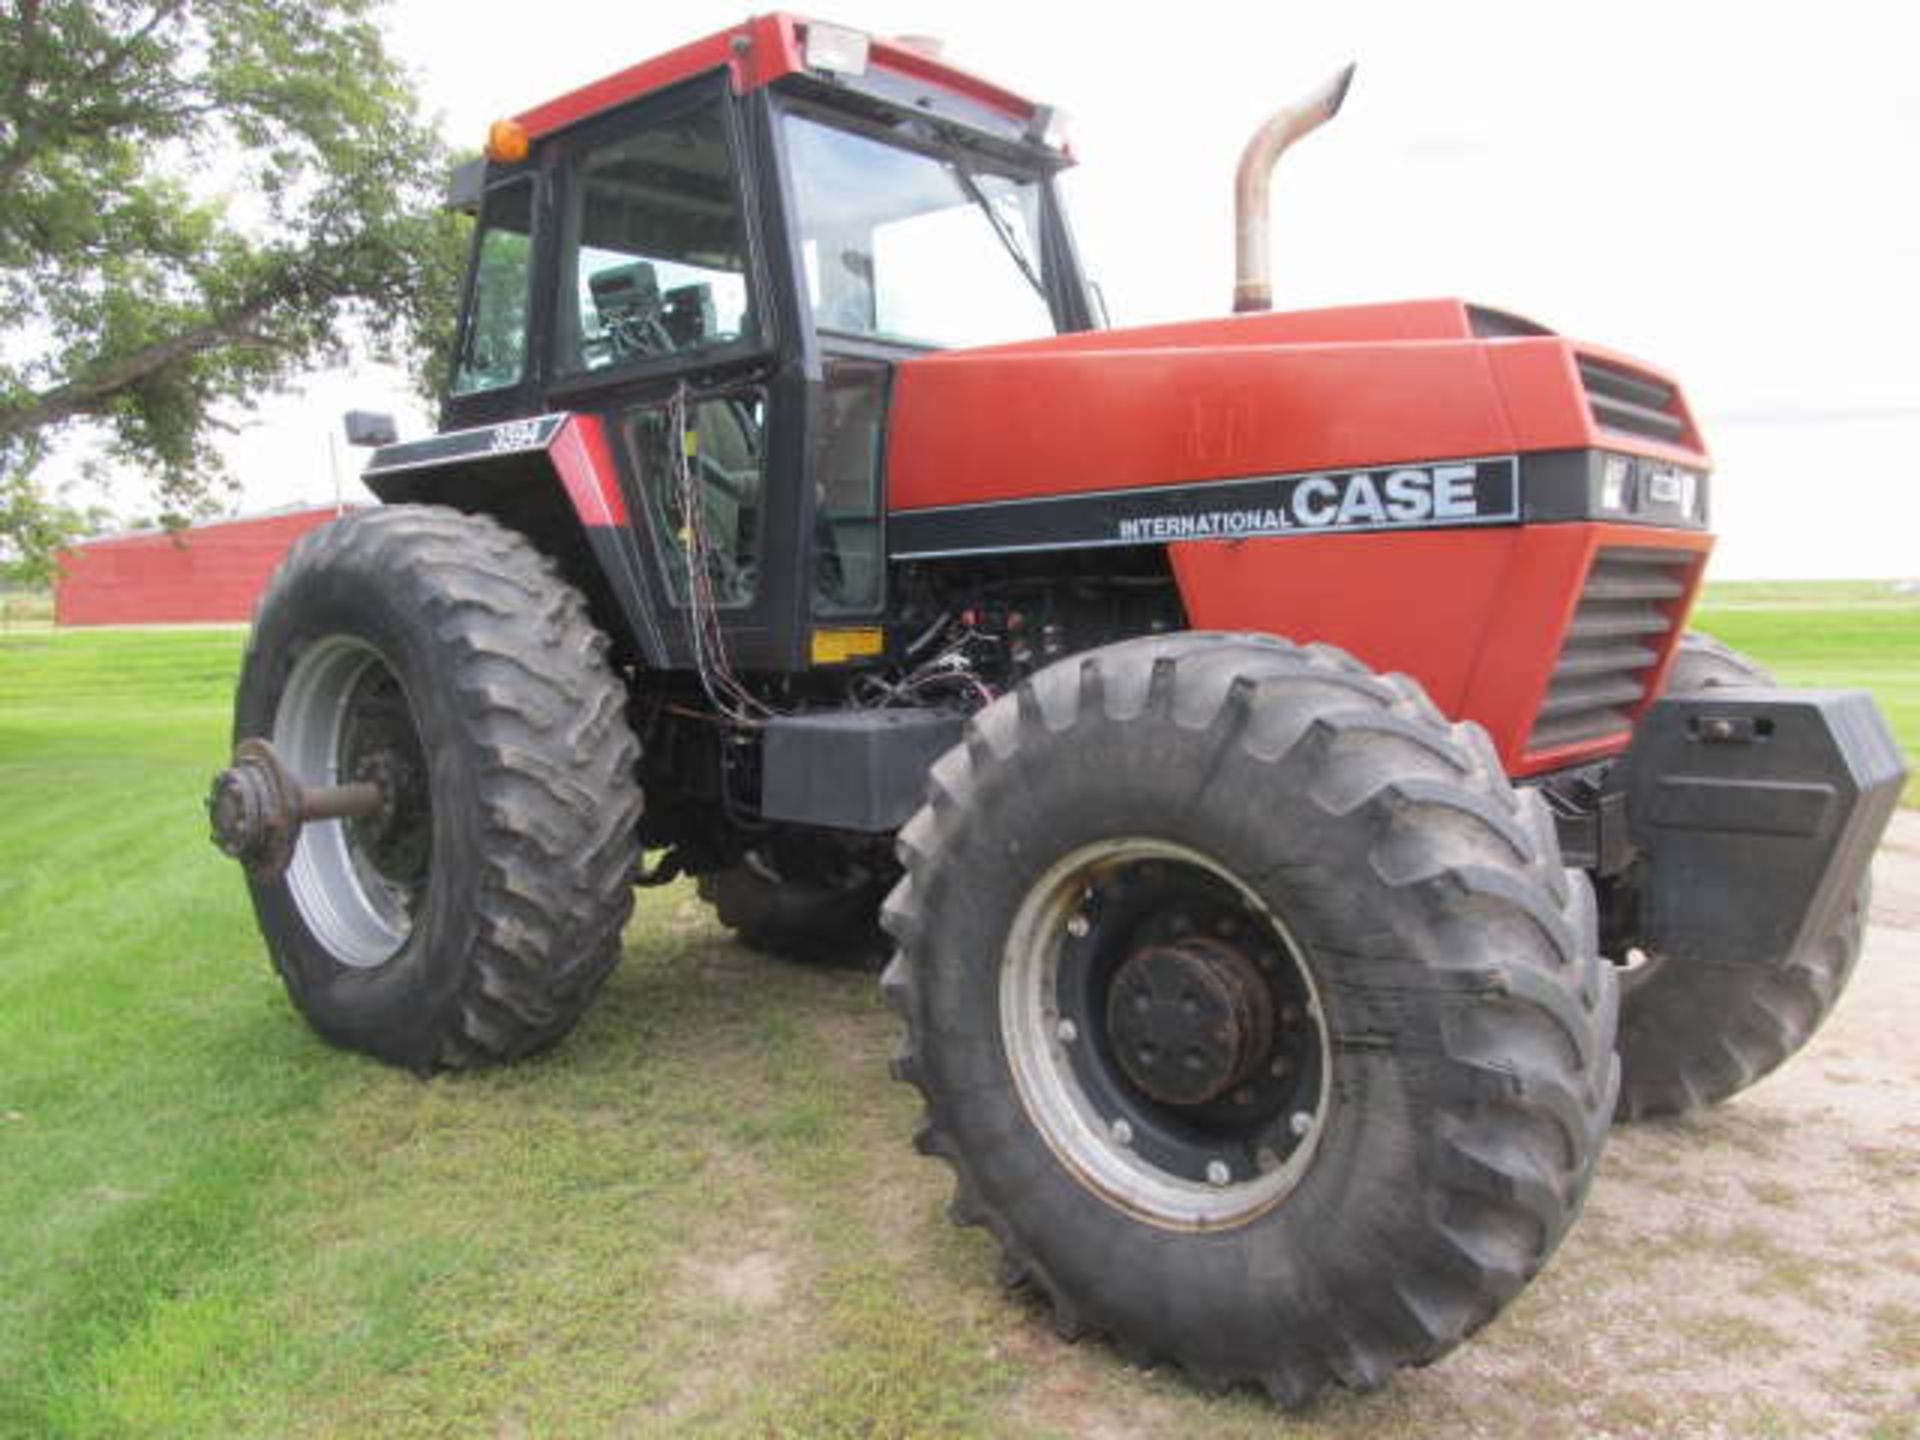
[908,246]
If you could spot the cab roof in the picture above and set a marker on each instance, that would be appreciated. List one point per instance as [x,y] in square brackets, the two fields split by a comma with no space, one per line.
[756,53]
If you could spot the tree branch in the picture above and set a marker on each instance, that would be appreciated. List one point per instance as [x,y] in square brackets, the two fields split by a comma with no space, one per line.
[29,22]
[107,109]
[117,56]
[86,395]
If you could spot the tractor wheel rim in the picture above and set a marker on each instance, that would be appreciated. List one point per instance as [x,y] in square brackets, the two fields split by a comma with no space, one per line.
[357,884]
[1120,917]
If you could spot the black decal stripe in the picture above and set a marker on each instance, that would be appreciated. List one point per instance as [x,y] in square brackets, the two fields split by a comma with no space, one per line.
[1562,486]
[1432,495]
[509,437]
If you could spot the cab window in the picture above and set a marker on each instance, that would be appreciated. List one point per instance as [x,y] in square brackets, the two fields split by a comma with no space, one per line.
[848,560]
[493,342]
[904,245]
[656,264]
[704,492]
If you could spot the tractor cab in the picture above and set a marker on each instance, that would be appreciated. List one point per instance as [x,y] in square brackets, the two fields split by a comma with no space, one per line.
[721,256]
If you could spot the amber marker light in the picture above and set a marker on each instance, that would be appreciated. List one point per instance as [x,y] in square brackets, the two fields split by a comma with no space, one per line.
[506,142]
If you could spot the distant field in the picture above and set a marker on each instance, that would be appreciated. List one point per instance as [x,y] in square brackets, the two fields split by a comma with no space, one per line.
[1726,593]
[25,610]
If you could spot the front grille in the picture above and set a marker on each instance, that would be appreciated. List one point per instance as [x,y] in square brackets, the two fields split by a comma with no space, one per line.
[1620,630]
[1631,403]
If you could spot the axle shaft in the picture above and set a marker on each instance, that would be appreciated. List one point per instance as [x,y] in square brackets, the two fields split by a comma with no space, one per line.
[257,807]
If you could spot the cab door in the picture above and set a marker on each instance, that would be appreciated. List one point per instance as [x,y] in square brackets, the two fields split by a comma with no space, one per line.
[666,326]
[903,239]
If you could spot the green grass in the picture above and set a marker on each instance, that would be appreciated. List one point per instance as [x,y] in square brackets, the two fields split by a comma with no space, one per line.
[217,1226]
[698,1216]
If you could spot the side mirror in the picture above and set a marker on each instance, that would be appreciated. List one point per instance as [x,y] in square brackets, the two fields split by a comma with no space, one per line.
[465,187]
[370,427]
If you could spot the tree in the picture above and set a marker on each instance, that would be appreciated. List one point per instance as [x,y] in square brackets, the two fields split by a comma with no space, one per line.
[198,200]
[34,528]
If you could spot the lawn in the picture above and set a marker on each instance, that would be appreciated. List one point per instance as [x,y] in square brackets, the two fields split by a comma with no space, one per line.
[216,1226]
[697,1216]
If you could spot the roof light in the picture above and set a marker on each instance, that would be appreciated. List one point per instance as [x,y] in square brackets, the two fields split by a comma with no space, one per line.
[506,142]
[1048,127]
[836,50]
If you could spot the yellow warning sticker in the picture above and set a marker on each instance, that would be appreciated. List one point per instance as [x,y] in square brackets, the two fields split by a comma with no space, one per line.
[832,647]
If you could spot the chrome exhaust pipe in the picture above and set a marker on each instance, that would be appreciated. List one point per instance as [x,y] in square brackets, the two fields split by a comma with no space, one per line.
[1252,282]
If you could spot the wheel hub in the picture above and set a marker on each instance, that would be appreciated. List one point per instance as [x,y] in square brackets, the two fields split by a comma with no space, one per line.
[1164,1032]
[1189,1021]
[257,807]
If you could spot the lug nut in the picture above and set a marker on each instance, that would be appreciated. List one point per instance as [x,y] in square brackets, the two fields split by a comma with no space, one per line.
[1122,1133]
[1301,1123]
[1078,926]
[1067,1031]
[1218,1173]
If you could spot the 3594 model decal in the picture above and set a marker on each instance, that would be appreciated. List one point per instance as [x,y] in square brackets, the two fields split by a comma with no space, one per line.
[1396,497]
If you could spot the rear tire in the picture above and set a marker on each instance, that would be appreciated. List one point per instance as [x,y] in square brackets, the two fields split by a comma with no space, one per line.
[1419,1129]
[1693,1035]
[473,921]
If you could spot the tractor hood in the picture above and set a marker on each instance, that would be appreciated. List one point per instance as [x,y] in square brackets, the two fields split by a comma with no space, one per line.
[1264,395]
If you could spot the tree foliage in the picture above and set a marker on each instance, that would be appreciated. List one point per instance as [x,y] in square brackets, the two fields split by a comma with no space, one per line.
[198,200]
[36,527]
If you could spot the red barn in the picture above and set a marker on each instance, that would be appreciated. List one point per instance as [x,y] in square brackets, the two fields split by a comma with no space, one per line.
[201,574]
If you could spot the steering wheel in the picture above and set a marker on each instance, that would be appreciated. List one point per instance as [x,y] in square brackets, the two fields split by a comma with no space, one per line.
[639,333]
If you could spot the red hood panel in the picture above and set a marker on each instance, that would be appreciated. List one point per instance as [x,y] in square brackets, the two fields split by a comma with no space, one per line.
[1345,324]
[1215,399]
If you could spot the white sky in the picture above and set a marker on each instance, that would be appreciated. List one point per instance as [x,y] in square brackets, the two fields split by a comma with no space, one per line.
[1731,191]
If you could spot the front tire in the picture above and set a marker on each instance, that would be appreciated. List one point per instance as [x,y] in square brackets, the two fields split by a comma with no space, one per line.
[1253,1009]
[825,913]
[1693,1035]
[473,919]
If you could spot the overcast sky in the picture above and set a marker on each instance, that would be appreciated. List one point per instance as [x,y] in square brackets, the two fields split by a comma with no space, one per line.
[1731,191]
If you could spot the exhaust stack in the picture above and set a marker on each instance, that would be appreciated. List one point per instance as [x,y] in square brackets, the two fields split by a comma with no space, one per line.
[1252,280]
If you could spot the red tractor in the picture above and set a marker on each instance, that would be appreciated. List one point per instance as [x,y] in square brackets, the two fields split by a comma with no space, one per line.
[1271,744]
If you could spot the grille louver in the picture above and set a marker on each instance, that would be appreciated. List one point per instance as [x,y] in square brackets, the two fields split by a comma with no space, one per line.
[1632,403]
[1619,632]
